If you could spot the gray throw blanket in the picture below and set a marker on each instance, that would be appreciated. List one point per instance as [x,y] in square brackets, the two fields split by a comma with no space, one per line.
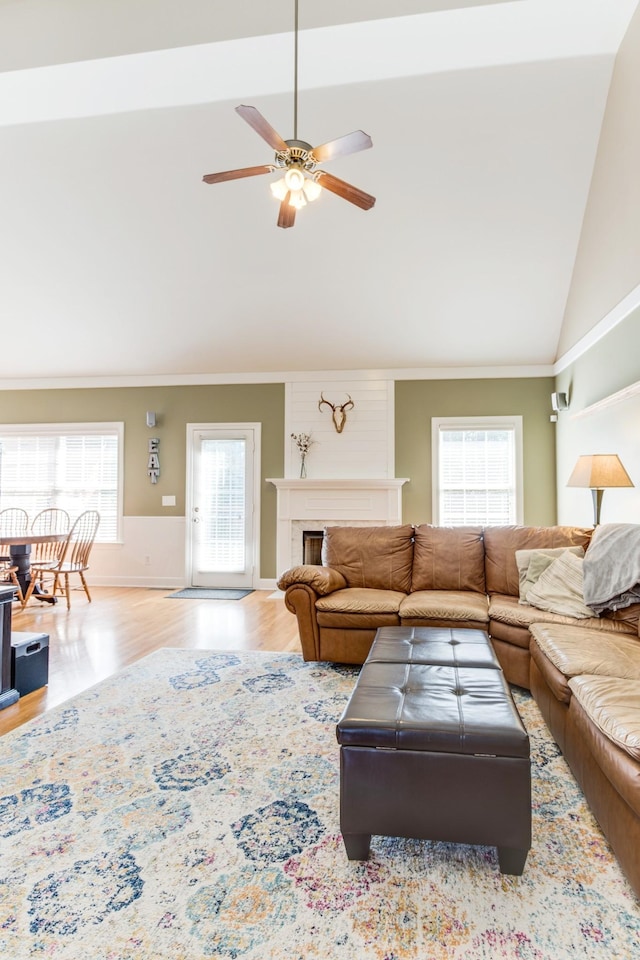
[611,567]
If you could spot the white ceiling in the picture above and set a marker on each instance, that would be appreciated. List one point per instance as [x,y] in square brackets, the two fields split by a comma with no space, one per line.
[117,262]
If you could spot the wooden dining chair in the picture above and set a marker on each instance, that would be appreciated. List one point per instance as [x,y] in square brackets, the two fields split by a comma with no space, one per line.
[53,520]
[73,558]
[13,522]
[50,520]
[9,577]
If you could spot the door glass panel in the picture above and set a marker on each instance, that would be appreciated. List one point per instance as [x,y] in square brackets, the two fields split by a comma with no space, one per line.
[220,534]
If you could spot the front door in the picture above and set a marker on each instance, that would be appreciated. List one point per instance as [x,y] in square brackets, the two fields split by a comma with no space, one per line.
[221,526]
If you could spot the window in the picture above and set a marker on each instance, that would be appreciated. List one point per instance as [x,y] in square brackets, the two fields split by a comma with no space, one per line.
[477,470]
[76,466]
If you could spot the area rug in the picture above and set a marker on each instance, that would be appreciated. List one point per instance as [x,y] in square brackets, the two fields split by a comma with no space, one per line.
[199,593]
[188,808]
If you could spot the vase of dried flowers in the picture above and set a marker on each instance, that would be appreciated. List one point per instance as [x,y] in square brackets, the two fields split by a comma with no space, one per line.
[303,442]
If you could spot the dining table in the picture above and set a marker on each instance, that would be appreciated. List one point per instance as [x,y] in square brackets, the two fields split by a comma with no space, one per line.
[20,551]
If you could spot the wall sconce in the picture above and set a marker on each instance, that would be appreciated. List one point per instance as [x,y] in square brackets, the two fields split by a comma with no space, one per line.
[151,418]
[598,472]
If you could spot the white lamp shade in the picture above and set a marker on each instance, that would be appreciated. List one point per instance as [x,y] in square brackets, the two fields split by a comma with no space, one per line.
[599,471]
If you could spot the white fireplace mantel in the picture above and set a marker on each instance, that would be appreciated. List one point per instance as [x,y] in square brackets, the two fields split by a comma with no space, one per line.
[314,503]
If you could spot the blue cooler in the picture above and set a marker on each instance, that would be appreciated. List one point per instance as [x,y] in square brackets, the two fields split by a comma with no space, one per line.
[29,661]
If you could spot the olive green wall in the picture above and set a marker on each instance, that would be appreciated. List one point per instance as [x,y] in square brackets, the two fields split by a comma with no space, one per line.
[174,407]
[417,401]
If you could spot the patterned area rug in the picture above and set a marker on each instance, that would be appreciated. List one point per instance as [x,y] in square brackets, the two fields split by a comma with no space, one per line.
[188,808]
[199,593]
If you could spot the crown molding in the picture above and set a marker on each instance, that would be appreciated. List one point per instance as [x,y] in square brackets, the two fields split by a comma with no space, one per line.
[619,313]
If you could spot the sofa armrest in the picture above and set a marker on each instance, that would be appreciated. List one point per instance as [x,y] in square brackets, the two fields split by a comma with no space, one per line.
[300,600]
[322,580]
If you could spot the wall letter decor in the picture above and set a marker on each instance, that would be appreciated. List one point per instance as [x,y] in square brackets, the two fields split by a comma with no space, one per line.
[153,463]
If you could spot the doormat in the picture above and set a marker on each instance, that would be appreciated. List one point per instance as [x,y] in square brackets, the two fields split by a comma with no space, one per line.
[198,593]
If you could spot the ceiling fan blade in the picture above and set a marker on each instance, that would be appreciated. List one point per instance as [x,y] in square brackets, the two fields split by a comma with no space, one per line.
[255,119]
[350,143]
[345,190]
[237,174]
[287,214]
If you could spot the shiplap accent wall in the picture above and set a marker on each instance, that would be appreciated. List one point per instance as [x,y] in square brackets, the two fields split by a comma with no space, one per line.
[365,448]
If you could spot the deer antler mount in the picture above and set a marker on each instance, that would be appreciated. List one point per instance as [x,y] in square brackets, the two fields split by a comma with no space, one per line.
[338,411]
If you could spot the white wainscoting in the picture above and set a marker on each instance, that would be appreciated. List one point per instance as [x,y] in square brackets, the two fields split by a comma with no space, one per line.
[151,555]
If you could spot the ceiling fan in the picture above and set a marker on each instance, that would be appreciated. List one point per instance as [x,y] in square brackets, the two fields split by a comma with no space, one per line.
[302,181]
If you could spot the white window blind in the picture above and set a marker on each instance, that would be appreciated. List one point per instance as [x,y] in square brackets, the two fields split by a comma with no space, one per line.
[222,543]
[75,467]
[477,475]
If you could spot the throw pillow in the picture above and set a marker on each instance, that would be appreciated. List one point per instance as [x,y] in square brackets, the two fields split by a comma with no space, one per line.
[532,563]
[560,588]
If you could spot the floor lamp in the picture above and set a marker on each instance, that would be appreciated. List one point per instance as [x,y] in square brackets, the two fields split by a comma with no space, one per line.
[599,471]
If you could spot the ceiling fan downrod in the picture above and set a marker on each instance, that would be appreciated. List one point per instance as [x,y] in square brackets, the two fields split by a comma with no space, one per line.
[295,71]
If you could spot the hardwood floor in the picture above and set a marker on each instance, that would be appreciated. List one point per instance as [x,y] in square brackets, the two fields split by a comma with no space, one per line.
[93,640]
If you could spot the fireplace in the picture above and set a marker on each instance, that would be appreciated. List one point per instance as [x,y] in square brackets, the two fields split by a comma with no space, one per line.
[309,505]
[312,547]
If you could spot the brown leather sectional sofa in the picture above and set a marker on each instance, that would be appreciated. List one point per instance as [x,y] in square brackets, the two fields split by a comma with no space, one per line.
[584,673]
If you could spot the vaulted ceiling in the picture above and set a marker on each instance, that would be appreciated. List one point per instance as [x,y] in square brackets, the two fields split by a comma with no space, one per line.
[118,262]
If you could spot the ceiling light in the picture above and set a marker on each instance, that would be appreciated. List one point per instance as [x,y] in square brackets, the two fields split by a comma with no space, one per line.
[299,159]
[312,189]
[279,189]
[297,199]
[294,178]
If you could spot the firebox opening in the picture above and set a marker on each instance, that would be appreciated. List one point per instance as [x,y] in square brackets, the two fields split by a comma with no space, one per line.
[312,547]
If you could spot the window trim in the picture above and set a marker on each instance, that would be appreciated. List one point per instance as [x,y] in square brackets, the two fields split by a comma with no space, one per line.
[90,427]
[476,423]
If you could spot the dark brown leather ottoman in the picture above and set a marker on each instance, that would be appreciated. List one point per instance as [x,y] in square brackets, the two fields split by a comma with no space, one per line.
[435,751]
[450,646]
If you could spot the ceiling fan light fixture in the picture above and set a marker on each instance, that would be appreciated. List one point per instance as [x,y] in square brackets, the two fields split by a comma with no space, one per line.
[294,179]
[279,189]
[297,199]
[312,189]
[298,159]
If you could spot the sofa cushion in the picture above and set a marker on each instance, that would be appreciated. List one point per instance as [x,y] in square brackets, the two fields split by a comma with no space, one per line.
[559,588]
[377,557]
[531,565]
[360,600]
[321,579]
[509,610]
[501,543]
[452,605]
[448,558]
[619,767]
[575,650]
[613,705]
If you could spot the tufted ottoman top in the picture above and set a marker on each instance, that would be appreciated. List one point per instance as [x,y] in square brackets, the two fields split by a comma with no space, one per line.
[433,707]
[452,646]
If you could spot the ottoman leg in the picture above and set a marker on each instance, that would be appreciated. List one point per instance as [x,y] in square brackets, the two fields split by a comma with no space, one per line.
[512,860]
[357,845]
